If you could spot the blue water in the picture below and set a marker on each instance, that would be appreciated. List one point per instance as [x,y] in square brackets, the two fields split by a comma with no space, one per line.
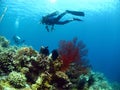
[100,29]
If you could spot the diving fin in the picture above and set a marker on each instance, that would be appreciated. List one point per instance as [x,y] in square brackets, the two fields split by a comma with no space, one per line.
[77,13]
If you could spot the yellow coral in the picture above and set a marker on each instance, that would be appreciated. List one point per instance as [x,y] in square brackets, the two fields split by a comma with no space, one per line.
[39,82]
[34,86]
[47,85]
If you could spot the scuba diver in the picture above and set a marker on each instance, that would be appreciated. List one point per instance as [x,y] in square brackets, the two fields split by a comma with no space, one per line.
[54,18]
[17,40]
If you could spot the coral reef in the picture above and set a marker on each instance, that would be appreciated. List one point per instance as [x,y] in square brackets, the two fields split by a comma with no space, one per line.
[75,71]
[74,57]
[66,68]
[115,85]
[100,82]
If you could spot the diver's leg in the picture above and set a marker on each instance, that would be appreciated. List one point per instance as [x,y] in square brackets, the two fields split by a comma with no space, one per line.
[68,21]
[60,16]
[52,14]
[77,13]
[64,22]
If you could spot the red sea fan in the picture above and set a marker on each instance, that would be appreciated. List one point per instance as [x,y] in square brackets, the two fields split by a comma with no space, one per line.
[69,52]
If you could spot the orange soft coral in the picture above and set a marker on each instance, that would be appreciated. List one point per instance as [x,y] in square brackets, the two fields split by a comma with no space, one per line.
[69,52]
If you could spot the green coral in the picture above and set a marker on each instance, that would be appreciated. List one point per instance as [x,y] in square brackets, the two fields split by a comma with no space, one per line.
[6,56]
[16,79]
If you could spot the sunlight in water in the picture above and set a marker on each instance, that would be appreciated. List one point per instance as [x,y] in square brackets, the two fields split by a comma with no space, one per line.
[91,5]
[52,1]
[32,8]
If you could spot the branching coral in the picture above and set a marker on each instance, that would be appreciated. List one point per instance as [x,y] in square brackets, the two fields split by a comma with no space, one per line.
[70,51]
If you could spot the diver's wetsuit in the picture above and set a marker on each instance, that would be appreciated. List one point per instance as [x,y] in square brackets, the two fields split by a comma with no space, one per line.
[51,19]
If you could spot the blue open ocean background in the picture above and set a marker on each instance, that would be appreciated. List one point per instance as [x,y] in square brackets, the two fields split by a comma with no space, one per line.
[100,29]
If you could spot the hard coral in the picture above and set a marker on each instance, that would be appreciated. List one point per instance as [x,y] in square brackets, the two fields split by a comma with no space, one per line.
[69,52]
[6,61]
[17,79]
[24,56]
